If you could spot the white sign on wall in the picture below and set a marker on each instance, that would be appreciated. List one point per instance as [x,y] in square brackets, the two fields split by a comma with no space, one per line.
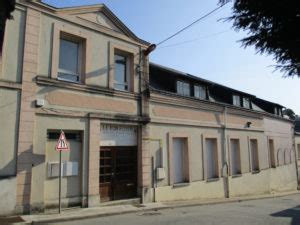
[117,135]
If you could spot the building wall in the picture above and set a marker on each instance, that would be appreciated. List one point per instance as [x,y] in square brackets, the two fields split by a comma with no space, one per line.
[198,121]
[13,47]
[10,98]
[297,148]
[44,152]
[28,71]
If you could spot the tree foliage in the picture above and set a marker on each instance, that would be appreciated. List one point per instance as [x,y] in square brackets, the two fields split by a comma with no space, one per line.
[290,113]
[273,27]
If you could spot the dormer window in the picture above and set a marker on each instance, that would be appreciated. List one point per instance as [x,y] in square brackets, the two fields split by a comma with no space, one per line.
[246,103]
[277,111]
[236,100]
[183,88]
[200,91]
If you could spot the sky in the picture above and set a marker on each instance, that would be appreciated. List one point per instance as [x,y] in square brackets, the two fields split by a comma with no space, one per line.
[210,49]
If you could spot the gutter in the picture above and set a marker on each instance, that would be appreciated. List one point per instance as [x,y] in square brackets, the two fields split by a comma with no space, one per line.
[225,169]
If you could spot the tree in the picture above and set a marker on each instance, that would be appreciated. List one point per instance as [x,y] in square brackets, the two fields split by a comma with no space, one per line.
[290,113]
[6,8]
[273,28]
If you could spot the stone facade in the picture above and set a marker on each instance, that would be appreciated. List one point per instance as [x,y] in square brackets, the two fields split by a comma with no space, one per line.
[36,104]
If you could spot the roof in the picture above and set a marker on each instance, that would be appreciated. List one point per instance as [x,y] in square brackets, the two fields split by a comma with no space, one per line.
[187,75]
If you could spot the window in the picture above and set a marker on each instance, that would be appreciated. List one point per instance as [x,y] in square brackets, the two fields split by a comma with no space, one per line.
[179,162]
[212,168]
[235,157]
[272,153]
[200,91]
[183,88]
[236,100]
[121,77]
[277,111]
[246,103]
[69,61]
[254,155]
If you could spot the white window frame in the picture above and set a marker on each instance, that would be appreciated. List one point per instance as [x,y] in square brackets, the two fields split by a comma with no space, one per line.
[79,66]
[245,99]
[236,100]
[201,88]
[180,88]
[127,76]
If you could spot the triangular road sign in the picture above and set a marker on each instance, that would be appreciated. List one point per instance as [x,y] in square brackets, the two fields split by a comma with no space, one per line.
[62,144]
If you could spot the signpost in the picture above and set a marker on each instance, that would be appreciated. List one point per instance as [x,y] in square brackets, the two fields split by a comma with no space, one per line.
[61,145]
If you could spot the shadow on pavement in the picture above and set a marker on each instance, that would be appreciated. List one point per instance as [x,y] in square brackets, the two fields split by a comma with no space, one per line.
[293,213]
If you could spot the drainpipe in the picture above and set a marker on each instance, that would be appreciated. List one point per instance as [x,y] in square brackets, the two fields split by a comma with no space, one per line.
[225,168]
[140,102]
[295,156]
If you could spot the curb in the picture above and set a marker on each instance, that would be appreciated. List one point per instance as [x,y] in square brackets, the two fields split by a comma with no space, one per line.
[165,205]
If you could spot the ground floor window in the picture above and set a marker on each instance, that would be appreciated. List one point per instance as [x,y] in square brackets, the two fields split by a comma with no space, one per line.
[254,155]
[179,160]
[212,168]
[235,156]
[272,153]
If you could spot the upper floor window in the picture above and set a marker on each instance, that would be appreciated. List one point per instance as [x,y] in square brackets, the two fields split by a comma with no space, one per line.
[183,88]
[277,111]
[246,103]
[121,76]
[200,91]
[236,100]
[69,61]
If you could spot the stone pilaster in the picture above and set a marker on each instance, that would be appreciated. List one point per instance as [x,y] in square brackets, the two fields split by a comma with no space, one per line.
[27,111]
[145,165]
[93,169]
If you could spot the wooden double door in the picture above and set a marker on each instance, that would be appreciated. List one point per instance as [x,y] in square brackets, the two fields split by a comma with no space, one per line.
[118,173]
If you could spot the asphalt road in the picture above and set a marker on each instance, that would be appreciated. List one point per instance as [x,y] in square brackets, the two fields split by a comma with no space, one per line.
[281,211]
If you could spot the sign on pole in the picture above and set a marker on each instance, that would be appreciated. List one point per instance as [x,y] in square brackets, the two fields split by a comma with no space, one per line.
[61,145]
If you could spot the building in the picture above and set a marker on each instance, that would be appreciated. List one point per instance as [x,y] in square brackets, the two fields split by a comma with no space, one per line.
[68,69]
[168,137]
[216,141]
[297,144]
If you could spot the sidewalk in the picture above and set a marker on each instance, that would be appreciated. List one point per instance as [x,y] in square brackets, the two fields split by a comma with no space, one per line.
[83,213]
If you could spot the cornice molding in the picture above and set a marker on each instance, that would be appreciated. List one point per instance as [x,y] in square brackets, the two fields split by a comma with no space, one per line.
[163,97]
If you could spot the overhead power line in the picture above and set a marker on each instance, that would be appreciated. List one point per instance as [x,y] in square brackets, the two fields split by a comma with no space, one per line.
[194,40]
[193,23]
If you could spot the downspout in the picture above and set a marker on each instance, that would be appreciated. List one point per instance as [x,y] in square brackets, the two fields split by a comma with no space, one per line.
[225,165]
[295,156]
[143,93]
[140,106]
